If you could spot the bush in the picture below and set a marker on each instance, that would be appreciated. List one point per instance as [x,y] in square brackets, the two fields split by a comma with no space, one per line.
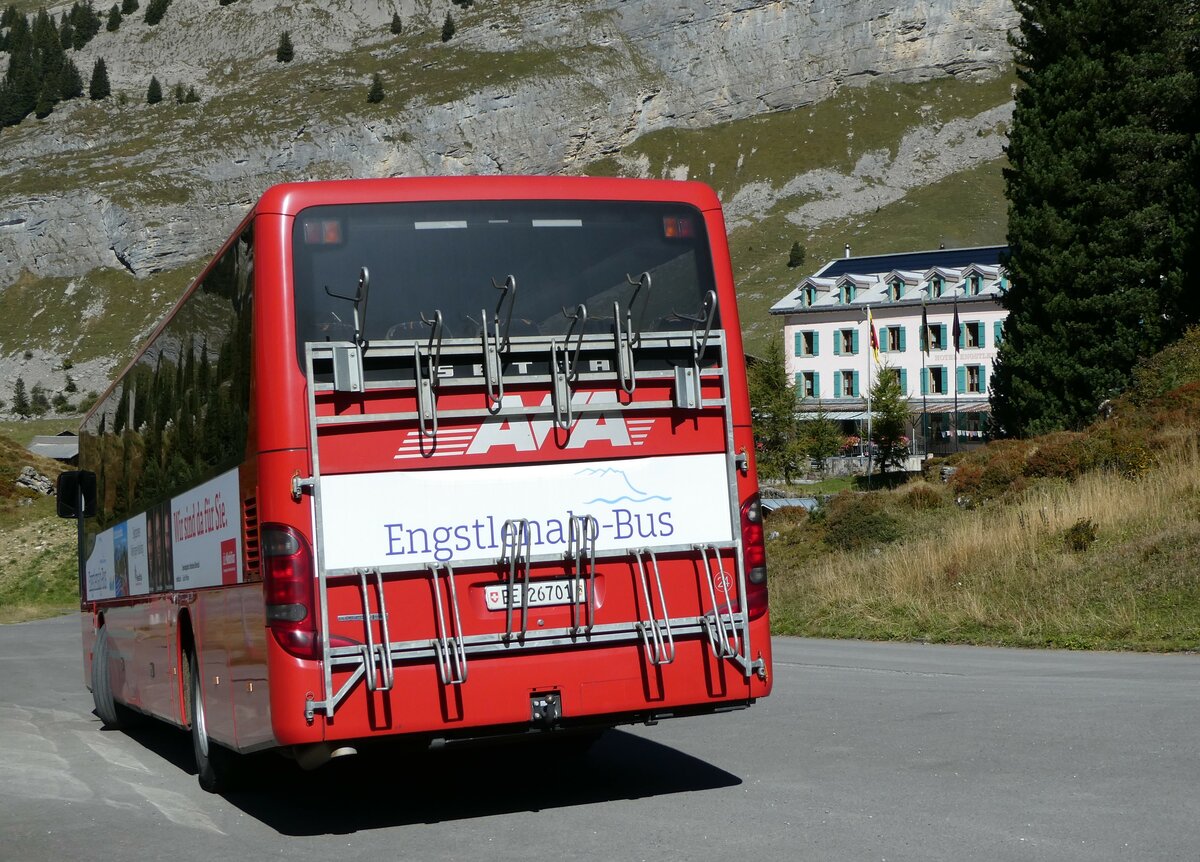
[1080,536]
[1061,455]
[923,496]
[855,521]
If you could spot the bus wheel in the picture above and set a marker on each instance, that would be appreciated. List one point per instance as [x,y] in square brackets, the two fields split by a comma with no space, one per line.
[102,693]
[216,766]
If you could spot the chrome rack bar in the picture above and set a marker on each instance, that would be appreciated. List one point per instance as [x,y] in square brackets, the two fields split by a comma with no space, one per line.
[687,380]
[369,648]
[449,648]
[426,381]
[720,627]
[625,337]
[658,650]
[497,341]
[564,372]
[515,546]
[581,547]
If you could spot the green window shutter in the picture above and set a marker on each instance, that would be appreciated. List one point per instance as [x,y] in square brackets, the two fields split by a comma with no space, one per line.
[837,343]
[799,344]
[816,349]
[816,384]
[854,383]
[942,335]
[799,382]
[923,338]
[882,335]
[982,334]
[902,338]
[904,380]
[962,335]
[837,384]
[997,332]
[962,379]
[924,381]
[983,378]
[854,341]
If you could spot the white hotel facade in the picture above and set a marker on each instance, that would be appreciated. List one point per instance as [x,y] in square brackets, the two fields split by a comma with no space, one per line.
[827,341]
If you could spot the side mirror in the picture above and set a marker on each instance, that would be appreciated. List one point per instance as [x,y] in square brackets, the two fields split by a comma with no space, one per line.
[77,488]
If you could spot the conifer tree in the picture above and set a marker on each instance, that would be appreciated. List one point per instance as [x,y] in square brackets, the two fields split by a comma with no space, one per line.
[776,428]
[70,80]
[397,25]
[154,92]
[156,10]
[178,93]
[1101,201]
[797,255]
[128,7]
[66,31]
[448,28]
[47,98]
[285,52]
[114,19]
[890,419]
[99,87]
[20,403]
[375,94]
[191,96]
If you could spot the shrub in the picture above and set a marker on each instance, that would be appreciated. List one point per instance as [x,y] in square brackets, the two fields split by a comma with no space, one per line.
[1080,536]
[1061,455]
[855,521]
[923,496]
[375,94]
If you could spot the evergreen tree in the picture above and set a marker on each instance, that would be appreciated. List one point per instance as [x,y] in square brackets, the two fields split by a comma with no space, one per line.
[285,52]
[47,98]
[114,19]
[66,31]
[820,437]
[154,92]
[463,4]
[178,93]
[99,87]
[797,255]
[397,25]
[20,403]
[128,7]
[155,11]
[777,431]
[86,22]
[448,28]
[889,420]
[191,96]
[39,402]
[227,2]
[375,94]
[1101,201]
[71,81]
[70,388]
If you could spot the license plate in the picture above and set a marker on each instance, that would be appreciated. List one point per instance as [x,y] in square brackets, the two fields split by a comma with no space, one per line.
[541,594]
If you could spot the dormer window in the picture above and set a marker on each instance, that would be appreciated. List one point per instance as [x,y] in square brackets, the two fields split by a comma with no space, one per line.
[847,294]
[896,290]
[936,285]
[975,285]
[809,295]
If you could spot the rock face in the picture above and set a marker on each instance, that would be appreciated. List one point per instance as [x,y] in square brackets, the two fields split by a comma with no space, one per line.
[628,67]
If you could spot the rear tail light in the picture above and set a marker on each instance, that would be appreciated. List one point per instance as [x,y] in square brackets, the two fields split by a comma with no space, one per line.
[290,590]
[755,558]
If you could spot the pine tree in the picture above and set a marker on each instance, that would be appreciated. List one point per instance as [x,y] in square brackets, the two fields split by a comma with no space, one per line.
[20,403]
[155,11]
[797,255]
[285,52]
[191,96]
[86,23]
[47,98]
[39,402]
[1101,201]
[777,431]
[114,19]
[397,25]
[178,93]
[99,87]
[375,94]
[128,7]
[448,28]
[154,92]
[71,81]
[889,420]
[463,4]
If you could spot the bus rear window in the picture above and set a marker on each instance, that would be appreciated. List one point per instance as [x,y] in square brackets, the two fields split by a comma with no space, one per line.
[450,256]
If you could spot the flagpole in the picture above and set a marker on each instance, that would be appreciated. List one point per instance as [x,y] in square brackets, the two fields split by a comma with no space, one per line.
[926,427]
[870,348]
[956,335]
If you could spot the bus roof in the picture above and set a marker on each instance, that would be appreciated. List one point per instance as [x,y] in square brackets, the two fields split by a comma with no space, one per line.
[290,198]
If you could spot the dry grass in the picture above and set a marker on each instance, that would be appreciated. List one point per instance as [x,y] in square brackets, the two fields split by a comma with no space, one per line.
[1004,574]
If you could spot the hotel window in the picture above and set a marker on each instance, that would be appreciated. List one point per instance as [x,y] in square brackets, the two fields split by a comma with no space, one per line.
[936,336]
[845,384]
[806,343]
[975,285]
[847,294]
[893,340]
[896,290]
[972,379]
[936,285]
[845,342]
[808,384]
[810,295]
[972,335]
[933,381]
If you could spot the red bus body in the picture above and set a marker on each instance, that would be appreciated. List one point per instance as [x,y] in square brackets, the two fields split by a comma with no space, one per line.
[457,526]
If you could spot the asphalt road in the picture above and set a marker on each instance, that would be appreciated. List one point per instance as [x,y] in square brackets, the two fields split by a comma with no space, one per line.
[864,752]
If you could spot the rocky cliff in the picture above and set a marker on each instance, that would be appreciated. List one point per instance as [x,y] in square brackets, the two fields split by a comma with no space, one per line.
[537,86]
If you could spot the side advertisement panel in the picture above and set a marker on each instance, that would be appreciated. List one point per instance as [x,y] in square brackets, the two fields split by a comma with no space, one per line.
[190,541]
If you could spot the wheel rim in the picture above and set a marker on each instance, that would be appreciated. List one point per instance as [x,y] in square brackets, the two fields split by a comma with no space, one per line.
[198,714]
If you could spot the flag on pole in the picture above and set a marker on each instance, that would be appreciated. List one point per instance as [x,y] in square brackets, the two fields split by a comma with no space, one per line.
[874,337]
[957,329]
[924,328]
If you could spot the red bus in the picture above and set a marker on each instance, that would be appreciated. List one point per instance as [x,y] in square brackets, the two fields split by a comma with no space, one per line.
[441,459]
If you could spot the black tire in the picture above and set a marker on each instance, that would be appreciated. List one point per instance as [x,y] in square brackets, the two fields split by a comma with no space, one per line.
[102,695]
[216,766]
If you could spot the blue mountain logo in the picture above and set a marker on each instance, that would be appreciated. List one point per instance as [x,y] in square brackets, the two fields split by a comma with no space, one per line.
[615,487]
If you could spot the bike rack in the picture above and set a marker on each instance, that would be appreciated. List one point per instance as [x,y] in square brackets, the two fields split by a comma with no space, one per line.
[451,652]
[660,650]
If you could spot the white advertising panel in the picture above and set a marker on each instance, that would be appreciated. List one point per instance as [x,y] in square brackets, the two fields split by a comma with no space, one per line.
[206,534]
[399,518]
[101,574]
[138,567]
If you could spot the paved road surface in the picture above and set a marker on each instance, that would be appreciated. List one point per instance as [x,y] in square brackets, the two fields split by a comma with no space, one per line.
[864,752]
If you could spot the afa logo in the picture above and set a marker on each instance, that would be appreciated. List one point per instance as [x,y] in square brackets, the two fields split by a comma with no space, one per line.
[523,434]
